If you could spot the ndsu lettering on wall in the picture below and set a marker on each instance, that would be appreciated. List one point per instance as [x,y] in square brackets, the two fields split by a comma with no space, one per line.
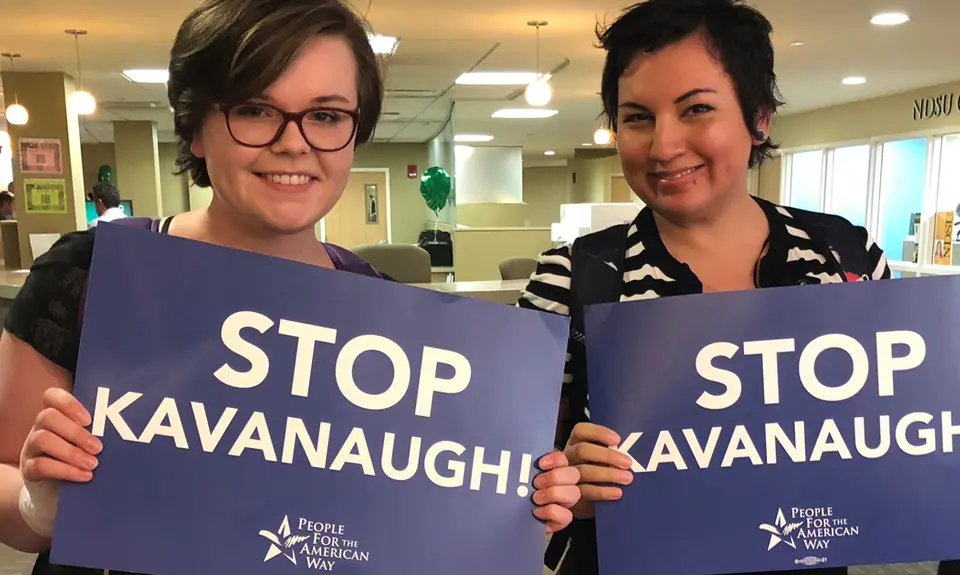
[935,106]
[781,428]
[259,414]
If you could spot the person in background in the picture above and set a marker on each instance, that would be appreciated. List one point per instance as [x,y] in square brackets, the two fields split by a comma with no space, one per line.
[106,200]
[270,100]
[689,89]
[8,207]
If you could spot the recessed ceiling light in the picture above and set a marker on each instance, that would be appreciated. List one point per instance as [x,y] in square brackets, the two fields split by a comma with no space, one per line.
[383,45]
[796,44]
[854,80]
[890,19]
[500,78]
[587,144]
[147,76]
[524,113]
[472,138]
[549,153]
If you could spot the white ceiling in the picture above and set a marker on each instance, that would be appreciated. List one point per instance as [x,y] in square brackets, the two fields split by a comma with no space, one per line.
[440,39]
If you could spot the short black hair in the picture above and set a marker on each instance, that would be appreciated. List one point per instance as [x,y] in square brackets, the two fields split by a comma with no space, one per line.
[106,193]
[5,198]
[229,51]
[737,35]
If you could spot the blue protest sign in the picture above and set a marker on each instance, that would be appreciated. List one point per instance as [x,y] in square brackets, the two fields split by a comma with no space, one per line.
[263,416]
[781,429]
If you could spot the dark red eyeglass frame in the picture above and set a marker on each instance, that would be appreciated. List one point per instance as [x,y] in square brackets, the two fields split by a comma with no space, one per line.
[296,118]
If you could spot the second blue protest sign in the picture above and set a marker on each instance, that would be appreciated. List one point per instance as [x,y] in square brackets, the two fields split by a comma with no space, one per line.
[781,429]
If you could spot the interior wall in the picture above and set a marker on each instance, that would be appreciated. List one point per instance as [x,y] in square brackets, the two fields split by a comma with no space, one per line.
[544,190]
[591,178]
[768,182]
[492,215]
[408,212]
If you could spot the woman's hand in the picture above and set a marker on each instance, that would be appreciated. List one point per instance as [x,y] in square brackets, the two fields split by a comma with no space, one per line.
[556,491]
[58,448]
[591,450]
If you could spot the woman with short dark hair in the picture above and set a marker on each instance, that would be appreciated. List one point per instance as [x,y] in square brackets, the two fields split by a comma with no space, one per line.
[689,89]
[270,99]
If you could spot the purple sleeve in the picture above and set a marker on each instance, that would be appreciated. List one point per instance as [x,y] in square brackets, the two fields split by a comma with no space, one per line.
[347,261]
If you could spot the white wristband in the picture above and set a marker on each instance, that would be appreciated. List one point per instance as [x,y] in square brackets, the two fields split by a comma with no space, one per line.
[38,506]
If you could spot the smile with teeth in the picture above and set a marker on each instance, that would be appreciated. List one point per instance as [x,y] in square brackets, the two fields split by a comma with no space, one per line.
[670,176]
[288,179]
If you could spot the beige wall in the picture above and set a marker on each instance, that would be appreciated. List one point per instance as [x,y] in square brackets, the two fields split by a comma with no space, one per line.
[407,208]
[173,189]
[477,253]
[544,190]
[492,215]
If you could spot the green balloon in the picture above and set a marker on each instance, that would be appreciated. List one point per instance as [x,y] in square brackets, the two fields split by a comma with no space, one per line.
[435,187]
[105,174]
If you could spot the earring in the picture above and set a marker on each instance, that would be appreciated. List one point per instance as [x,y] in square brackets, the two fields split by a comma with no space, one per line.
[761,135]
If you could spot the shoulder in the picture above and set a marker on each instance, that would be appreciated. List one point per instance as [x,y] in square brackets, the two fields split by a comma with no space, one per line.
[47,311]
[549,287]
[849,241]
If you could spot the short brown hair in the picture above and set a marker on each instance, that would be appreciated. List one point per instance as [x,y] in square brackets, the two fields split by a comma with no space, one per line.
[228,51]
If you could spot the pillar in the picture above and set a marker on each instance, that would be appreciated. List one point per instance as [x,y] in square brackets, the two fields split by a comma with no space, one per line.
[51,202]
[138,166]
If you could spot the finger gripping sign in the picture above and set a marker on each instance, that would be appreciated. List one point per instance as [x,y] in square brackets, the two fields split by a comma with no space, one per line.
[262,416]
[781,429]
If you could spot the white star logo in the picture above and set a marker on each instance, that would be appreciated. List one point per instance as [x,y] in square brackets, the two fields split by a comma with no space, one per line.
[780,531]
[277,547]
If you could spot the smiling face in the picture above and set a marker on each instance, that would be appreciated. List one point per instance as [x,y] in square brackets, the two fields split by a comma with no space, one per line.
[286,187]
[682,140]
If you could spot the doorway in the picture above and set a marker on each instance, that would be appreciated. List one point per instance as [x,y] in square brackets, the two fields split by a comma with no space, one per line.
[362,216]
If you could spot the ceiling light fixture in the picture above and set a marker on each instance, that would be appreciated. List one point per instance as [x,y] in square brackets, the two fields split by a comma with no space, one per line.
[538,93]
[587,144]
[81,102]
[15,114]
[383,45]
[147,76]
[796,44]
[524,113]
[472,138]
[854,80]
[549,153]
[602,137]
[890,19]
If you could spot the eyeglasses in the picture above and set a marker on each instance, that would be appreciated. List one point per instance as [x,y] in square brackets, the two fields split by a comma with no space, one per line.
[258,125]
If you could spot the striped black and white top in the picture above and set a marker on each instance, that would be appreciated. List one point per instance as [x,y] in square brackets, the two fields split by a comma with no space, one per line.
[798,253]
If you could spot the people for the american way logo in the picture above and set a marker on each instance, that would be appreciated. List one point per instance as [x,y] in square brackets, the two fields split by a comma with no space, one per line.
[282,540]
[780,531]
[317,545]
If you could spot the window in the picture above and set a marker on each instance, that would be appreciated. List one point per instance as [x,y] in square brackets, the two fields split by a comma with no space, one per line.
[849,183]
[902,178]
[806,175]
[905,192]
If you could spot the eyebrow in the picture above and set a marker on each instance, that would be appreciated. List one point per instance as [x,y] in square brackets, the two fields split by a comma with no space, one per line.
[319,100]
[678,100]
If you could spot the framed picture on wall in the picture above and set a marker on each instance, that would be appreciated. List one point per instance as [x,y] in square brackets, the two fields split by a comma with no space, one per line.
[370,202]
[40,156]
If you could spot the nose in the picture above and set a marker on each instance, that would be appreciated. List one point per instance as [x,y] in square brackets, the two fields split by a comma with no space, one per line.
[669,140]
[291,141]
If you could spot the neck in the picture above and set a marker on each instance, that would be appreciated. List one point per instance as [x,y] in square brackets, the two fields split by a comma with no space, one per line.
[738,221]
[216,225]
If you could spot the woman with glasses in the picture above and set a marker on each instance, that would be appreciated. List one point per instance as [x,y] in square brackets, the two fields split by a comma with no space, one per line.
[270,100]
